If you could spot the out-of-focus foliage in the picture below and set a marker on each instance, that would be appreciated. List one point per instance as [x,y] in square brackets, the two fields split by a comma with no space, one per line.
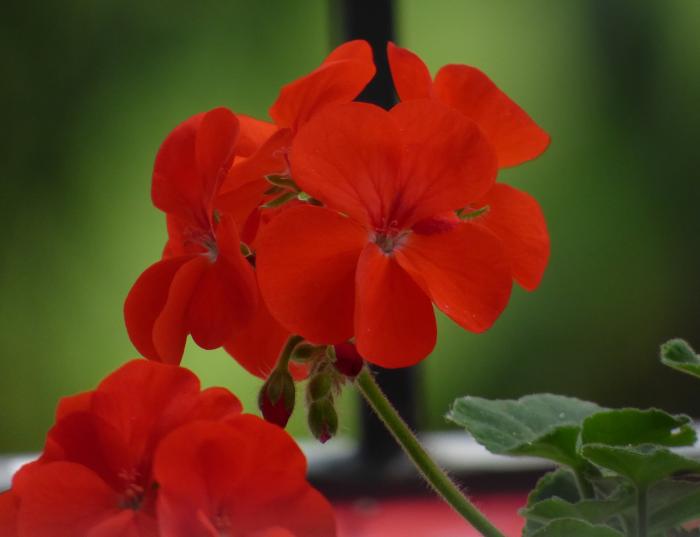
[90,90]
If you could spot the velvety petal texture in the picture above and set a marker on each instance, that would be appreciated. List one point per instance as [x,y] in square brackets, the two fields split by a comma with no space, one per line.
[411,76]
[239,477]
[394,319]
[516,219]
[306,264]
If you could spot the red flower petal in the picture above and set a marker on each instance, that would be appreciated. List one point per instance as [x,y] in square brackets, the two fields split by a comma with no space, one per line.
[412,79]
[254,133]
[257,346]
[464,271]
[73,403]
[339,80]
[516,218]
[349,157]
[245,475]
[306,262]
[170,328]
[127,523]
[394,320]
[216,139]
[514,135]
[446,160]
[64,499]
[146,301]
[9,508]
[225,298]
[244,187]
[215,403]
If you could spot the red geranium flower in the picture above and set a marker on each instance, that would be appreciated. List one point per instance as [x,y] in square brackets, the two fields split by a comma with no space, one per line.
[9,506]
[388,243]
[95,476]
[512,214]
[244,477]
[203,286]
[339,79]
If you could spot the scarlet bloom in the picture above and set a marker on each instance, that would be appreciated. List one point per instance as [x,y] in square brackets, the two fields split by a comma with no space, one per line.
[149,454]
[244,477]
[512,214]
[95,476]
[203,286]
[388,241]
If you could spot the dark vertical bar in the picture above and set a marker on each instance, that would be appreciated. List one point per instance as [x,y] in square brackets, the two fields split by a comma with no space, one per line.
[373,20]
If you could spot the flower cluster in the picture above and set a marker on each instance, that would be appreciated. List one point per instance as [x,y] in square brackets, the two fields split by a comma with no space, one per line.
[340,221]
[149,454]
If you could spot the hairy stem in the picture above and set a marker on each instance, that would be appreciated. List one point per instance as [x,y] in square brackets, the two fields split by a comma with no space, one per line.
[429,469]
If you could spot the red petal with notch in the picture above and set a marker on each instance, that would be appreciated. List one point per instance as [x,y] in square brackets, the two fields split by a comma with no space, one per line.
[334,82]
[394,319]
[63,499]
[464,271]
[170,328]
[349,157]
[516,218]
[257,347]
[73,403]
[412,79]
[146,300]
[514,135]
[446,163]
[306,262]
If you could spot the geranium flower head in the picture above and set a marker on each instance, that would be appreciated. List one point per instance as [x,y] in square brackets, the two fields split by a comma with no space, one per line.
[203,286]
[388,242]
[95,474]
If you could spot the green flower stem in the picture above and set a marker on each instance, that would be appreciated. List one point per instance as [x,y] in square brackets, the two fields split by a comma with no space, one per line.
[431,472]
[286,353]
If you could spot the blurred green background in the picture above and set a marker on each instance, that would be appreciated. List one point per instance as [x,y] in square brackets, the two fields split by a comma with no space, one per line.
[90,89]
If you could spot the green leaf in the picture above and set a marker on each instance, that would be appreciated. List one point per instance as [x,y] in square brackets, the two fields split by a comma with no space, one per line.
[643,465]
[631,426]
[677,354]
[561,484]
[569,527]
[672,503]
[592,511]
[543,425]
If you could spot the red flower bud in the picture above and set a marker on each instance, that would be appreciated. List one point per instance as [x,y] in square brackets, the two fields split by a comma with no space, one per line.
[276,398]
[347,360]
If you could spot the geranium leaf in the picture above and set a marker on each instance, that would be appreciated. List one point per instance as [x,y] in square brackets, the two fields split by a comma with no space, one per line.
[592,511]
[542,425]
[630,426]
[643,465]
[569,527]
[559,483]
[677,354]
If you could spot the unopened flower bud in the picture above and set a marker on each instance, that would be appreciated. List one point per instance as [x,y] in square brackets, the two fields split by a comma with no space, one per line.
[320,386]
[323,419]
[276,398]
[347,360]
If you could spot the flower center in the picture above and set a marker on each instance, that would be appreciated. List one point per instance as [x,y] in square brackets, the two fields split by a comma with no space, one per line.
[390,240]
